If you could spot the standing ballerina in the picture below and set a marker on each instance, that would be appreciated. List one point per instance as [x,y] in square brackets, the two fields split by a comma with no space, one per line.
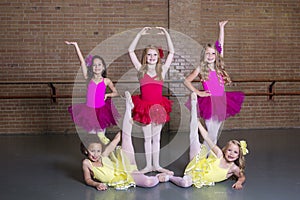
[151,109]
[214,104]
[98,112]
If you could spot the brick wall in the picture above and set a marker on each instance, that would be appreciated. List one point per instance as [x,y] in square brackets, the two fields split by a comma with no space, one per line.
[261,41]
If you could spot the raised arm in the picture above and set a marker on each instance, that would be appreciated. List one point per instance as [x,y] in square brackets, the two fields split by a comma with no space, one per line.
[188,83]
[221,35]
[111,86]
[79,54]
[112,145]
[137,64]
[218,152]
[169,59]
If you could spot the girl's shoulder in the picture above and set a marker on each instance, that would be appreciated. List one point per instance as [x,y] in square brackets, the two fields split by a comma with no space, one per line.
[86,162]
[107,81]
[234,168]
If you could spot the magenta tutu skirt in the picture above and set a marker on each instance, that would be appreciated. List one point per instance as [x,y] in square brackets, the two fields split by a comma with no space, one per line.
[219,107]
[148,112]
[94,118]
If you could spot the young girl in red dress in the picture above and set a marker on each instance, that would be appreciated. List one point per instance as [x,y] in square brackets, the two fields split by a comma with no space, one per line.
[151,109]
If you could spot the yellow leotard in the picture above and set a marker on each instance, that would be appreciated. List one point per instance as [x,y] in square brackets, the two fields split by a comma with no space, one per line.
[115,171]
[205,171]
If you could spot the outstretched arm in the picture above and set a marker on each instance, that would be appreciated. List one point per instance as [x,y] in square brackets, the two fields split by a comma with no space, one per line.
[112,145]
[221,35]
[239,183]
[210,143]
[88,178]
[79,54]
[169,59]
[188,83]
[132,47]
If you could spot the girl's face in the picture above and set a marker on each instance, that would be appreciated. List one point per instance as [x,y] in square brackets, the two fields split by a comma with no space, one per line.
[152,56]
[94,151]
[210,55]
[98,66]
[232,152]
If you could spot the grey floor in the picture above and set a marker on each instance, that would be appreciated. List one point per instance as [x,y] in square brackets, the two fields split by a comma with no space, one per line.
[49,167]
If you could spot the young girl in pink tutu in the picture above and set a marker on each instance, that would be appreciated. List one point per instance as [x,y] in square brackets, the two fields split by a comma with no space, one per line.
[219,166]
[151,108]
[214,104]
[98,112]
[115,166]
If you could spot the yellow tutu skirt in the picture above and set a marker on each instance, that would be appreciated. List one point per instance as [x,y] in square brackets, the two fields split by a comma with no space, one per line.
[203,171]
[116,171]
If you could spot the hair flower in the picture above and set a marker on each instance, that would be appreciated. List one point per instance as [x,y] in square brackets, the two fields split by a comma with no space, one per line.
[244,147]
[218,46]
[161,52]
[89,60]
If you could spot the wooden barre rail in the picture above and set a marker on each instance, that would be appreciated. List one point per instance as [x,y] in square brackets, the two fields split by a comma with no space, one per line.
[134,81]
[53,96]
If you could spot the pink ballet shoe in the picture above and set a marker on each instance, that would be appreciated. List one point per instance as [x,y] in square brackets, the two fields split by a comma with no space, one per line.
[103,138]
[163,177]
[163,170]
[146,170]
[129,99]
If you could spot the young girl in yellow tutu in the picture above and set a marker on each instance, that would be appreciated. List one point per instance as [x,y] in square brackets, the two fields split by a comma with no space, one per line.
[115,166]
[219,166]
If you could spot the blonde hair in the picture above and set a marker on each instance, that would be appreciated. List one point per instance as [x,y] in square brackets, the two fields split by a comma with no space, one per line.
[144,68]
[219,65]
[240,162]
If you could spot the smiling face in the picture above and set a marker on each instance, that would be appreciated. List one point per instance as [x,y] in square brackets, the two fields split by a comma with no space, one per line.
[232,152]
[98,66]
[152,56]
[210,55]
[94,151]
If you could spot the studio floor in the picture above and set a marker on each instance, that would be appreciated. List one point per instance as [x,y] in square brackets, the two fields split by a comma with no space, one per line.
[46,167]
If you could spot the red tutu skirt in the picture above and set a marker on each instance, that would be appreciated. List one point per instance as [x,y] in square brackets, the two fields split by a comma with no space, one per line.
[219,107]
[94,118]
[148,112]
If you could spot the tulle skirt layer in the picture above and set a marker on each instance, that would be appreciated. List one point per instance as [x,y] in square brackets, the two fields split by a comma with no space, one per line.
[148,112]
[219,107]
[94,118]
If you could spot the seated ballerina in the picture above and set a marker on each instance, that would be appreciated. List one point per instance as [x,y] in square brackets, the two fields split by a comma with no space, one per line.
[219,166]
[115,166]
